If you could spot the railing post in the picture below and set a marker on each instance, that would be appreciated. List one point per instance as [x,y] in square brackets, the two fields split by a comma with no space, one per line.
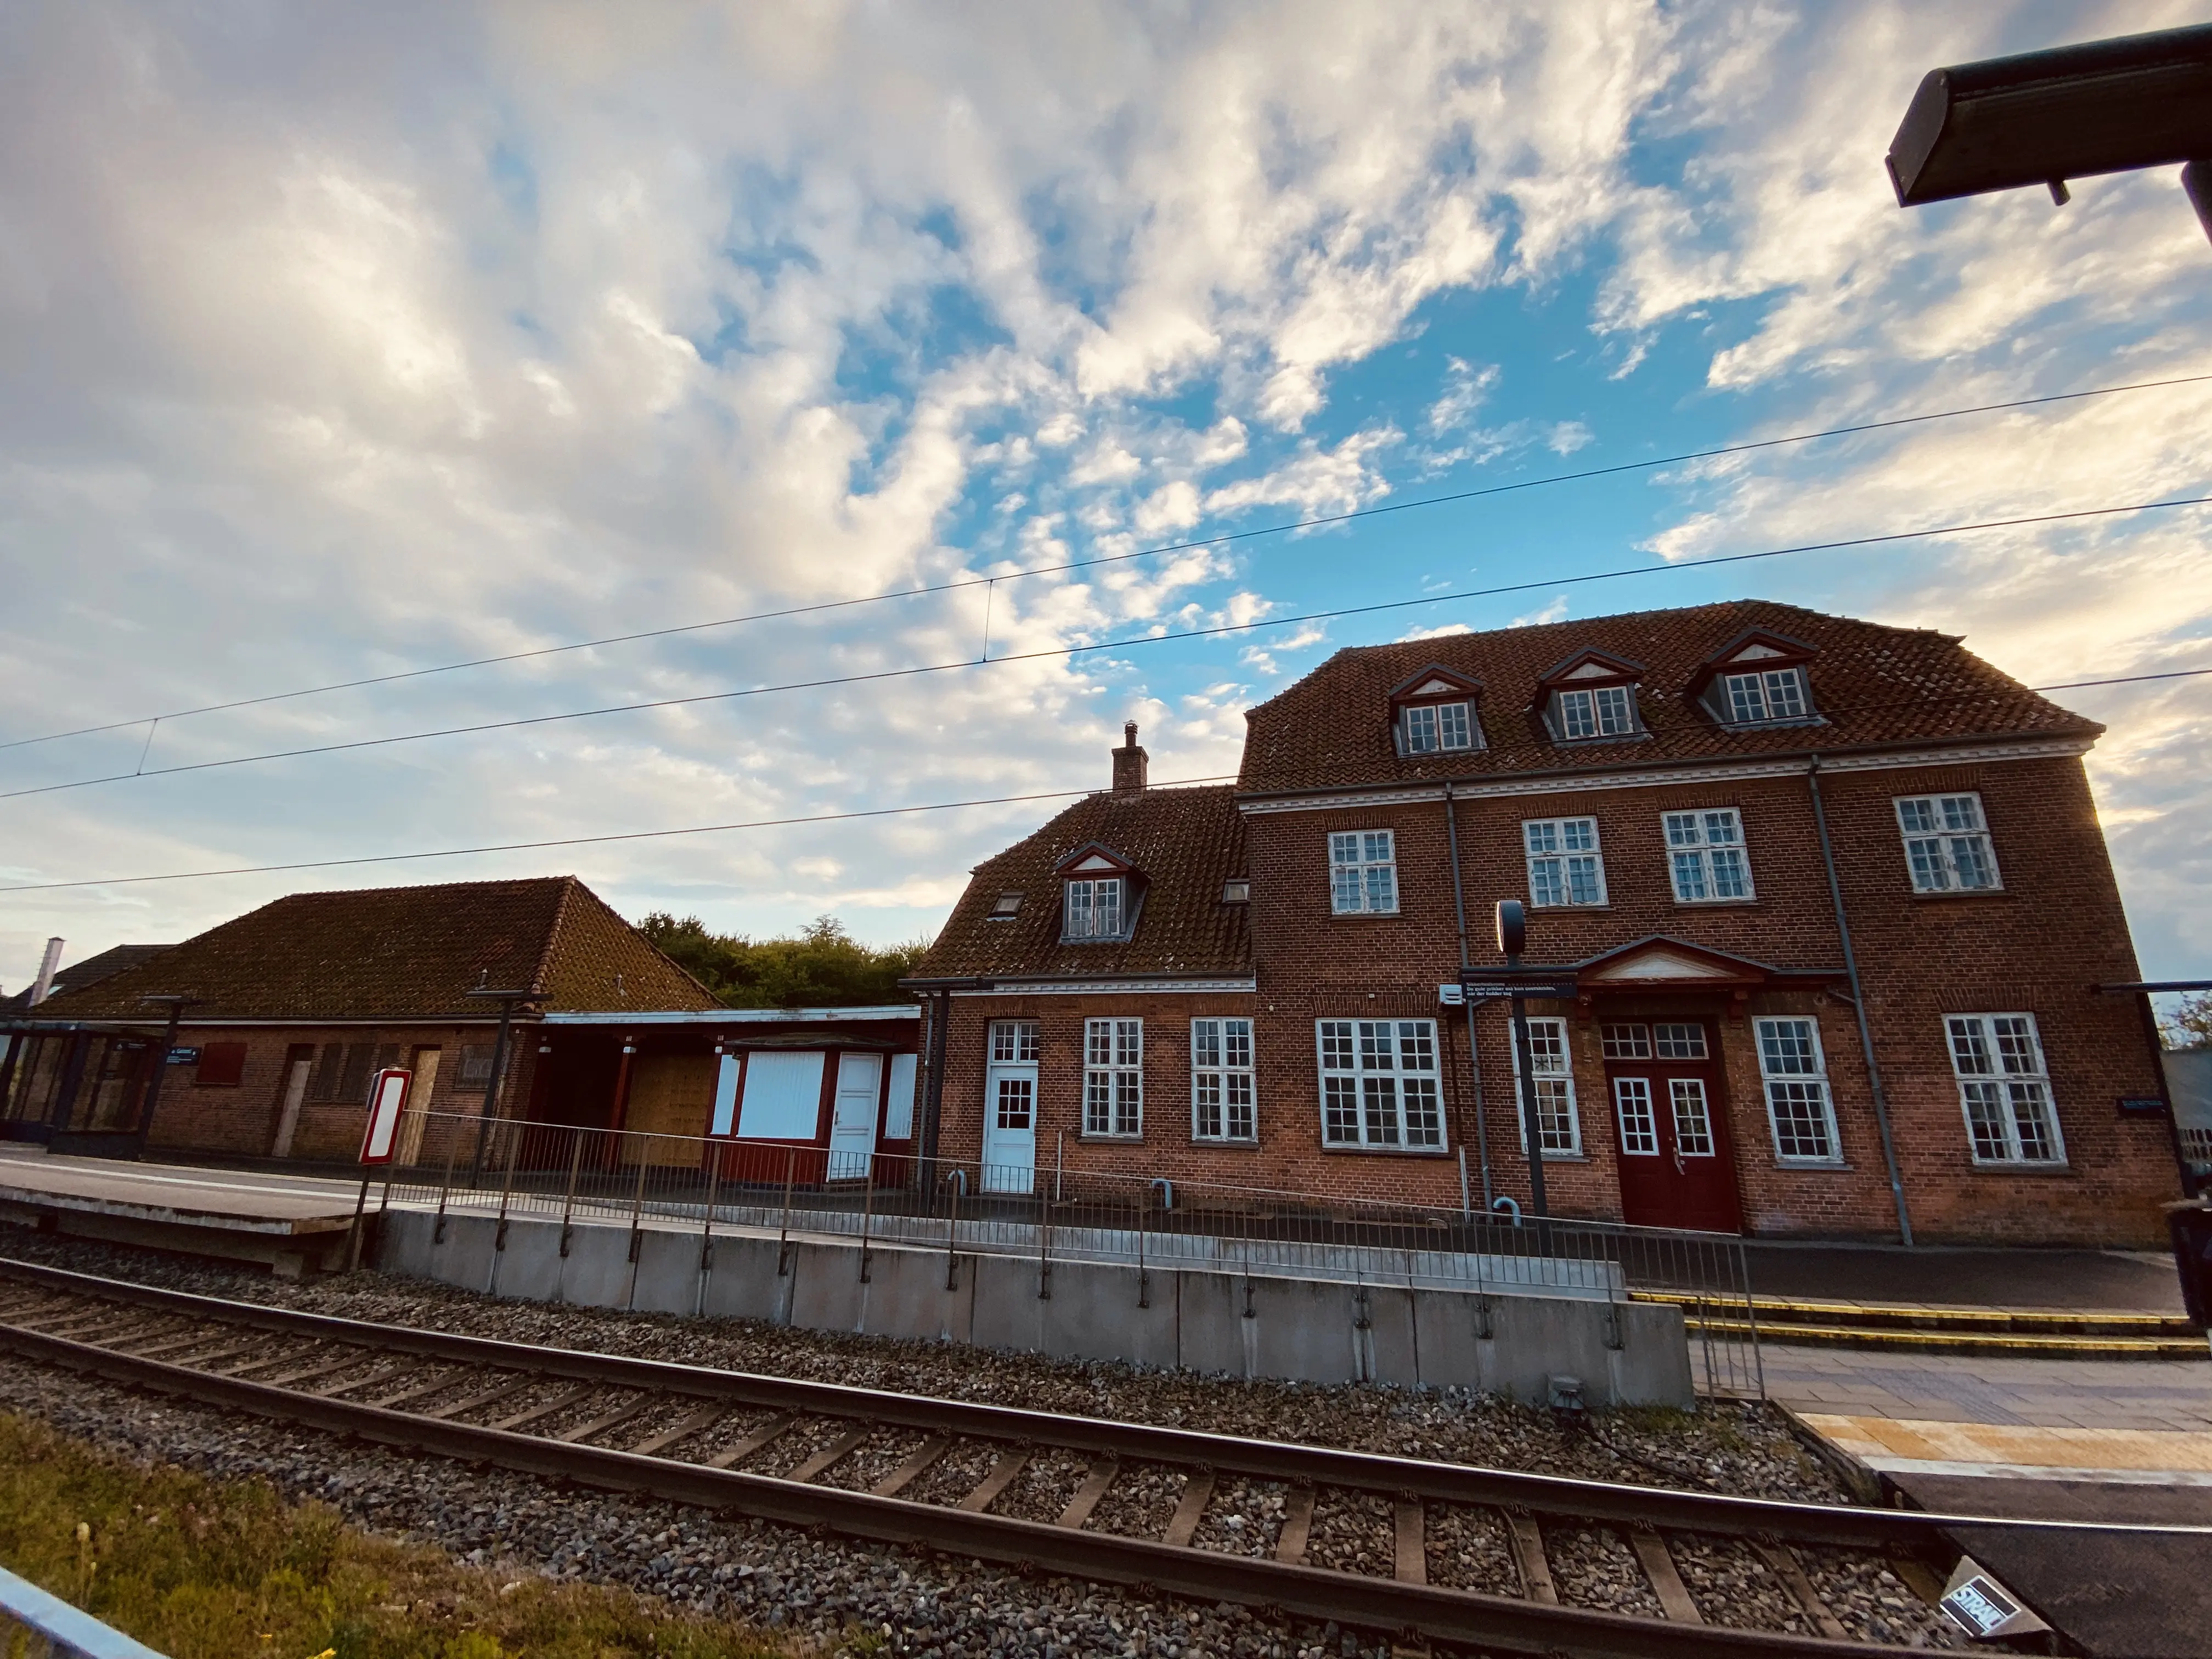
[446,1186]
[955,1181]
[637,1202]
[507,1188]
[867,1214]
[707,1223]
[1750,1318]
[783,1239]
[569,1203]
[1144,1278]
[1044,1246]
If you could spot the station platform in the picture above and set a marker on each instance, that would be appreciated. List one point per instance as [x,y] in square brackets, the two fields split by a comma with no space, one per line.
[292,1226]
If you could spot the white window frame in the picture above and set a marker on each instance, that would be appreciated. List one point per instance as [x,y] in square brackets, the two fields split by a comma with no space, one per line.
[1013,1042]
[1381,1085]
[1362,872]
[1942,831]
[1092,890]
[1113,1080]
[1437,728]
[1800,1086]
[1758,687]
[1221,1067]
[1608,711]
[1561,849]
[1552,1064]
[1699,845]
[1999,1063]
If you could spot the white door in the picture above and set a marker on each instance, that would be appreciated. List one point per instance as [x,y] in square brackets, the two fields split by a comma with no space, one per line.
[1010,1128]
[853,1124]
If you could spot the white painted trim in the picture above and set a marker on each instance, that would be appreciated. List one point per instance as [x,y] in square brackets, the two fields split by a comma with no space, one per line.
[738,1016]
[1656,778]
[1008,988]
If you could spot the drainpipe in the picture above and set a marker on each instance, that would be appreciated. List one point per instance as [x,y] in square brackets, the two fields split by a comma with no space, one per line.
[1474,1057]
[940,1019]
[1859,1007]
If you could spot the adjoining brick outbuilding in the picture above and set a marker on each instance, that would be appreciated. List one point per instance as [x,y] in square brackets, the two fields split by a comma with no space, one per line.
[1736,825]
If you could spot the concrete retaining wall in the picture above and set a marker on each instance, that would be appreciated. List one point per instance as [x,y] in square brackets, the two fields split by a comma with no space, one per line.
[1199,1319]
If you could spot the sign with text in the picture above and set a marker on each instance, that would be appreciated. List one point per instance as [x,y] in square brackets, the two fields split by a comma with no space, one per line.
[1477,990]
[183,1056]
[387,1099]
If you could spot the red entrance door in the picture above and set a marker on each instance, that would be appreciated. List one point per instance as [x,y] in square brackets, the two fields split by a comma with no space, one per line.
[1677,1169]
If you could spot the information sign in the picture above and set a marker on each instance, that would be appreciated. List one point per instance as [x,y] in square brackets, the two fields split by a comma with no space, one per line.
[387,1099]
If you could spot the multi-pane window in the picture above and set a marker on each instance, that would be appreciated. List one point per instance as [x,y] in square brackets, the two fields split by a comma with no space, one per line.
[1639,1129]
[1705,855]
[1013,1042]
[1221,1094]
[1114,1077]
[1094,909]
[1608,711]
[1796,1076]
[1564,867]
[1434,726]
[1679,1042]
[2005,1088]
[1362,872]
[1557,1120]
[1379,1084]
[1772,694]
[1947,843]
[1693,1122]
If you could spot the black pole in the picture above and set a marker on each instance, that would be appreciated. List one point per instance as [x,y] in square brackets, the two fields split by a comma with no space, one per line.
[1512,939]
[160,1071]
[1473,1054]
[491,1088]
[940,1015]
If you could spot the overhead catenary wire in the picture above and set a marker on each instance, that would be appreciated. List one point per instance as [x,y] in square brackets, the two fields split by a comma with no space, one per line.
[1288,527]
[873,812]
[1130,643]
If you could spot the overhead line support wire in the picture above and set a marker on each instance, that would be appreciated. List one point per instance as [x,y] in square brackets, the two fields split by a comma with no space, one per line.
[1130,643]
[1580,475]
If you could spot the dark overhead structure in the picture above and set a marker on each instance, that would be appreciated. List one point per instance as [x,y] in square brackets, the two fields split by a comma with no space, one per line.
[2142,101]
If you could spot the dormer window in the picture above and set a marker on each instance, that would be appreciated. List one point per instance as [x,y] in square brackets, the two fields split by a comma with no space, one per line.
[1608,711]
[1094,909]
[1758,679]
[1774,694]
[1434,713]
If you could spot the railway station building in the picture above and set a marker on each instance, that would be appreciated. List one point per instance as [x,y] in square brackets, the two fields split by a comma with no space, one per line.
[284,1014]
[1831,898]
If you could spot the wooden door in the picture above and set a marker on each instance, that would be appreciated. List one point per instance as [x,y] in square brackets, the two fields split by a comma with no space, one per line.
[1677,1168]
[671,1097]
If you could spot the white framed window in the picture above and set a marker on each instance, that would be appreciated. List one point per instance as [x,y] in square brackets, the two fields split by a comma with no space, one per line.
[1706,856]
[1379,1083]
[1639,1128]
[1947,844]
[1605,711]
[2004,1089]
[1794,1074]
[1564,865]
[1013,1042]
[1432,727]
[1221,1089]
[1094,909]
[1770,694]
[1552,1070]
[1114,1077]
[1362,872]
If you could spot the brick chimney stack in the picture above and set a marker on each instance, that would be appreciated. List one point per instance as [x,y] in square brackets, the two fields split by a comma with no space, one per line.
[1129,763]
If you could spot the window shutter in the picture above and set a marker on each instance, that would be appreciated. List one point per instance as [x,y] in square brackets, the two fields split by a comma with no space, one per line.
[353,1086]
[222,1065]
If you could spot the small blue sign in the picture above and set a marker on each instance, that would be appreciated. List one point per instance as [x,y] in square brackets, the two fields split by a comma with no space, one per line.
[2143,1105]
[183,1056]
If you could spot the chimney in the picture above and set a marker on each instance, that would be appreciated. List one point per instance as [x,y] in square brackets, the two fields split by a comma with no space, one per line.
[1129,763]
[52,959]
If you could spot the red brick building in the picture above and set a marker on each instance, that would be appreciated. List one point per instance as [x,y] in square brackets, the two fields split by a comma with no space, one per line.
[288,1010]
[1715,815]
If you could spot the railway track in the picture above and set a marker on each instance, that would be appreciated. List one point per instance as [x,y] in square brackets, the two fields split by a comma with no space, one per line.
[1459,1554]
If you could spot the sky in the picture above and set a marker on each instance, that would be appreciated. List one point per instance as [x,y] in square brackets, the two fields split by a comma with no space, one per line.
[338,343]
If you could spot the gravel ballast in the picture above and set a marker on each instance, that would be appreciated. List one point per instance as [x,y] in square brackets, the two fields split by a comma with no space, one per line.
[863,1597]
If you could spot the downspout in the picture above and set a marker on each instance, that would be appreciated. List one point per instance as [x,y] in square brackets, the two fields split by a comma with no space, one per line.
[940,1018]
[1859,1006]
[1474,1056]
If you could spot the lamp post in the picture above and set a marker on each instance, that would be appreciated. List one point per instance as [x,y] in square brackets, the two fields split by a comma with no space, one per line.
[177,1005]
[1512,939]
[506,1000]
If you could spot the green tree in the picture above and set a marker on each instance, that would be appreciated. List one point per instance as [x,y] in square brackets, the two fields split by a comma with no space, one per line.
[823,967]
[2189,1025]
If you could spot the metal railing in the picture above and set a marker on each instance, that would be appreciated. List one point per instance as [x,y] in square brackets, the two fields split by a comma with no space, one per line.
[1053,1212]
[34,1623]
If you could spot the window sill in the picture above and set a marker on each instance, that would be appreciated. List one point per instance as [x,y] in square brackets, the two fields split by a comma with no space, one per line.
[1716,904]
[1227,1143]
[1386,1151]
[1811,1164]
[1365,916]
[1570,909]
[1950,893]
[2019,1167]
[1121,1140]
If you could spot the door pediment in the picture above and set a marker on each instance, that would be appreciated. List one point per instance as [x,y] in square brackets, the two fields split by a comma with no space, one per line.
[1661,961]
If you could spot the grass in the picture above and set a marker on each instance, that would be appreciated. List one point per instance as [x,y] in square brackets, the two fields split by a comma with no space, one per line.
[203,1568]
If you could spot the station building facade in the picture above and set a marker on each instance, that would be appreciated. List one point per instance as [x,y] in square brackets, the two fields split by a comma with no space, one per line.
[1259,985]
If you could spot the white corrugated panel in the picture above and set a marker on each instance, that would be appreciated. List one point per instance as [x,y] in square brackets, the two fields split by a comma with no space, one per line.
[898,1113]
[783,1096]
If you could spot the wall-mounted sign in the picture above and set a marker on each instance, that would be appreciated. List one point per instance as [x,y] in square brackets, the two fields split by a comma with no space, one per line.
[1477,990]
[387,1098]
[2144,1105]
[182,1056]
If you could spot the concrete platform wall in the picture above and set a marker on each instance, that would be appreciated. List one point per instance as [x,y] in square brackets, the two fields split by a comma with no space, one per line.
[1196,1319]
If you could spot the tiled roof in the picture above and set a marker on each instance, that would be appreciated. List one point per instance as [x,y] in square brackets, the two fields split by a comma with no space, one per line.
[402,953]
[80,975]
[1875,686]
[1186,841]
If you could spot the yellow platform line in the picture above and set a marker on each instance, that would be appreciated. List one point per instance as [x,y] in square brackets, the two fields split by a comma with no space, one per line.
[1883,1441]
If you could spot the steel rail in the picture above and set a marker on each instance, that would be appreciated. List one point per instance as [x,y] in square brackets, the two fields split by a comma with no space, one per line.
[1830,1525]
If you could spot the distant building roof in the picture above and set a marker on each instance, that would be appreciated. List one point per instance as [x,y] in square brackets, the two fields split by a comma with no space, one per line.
[1185,843]
[402,953]
[80,976]
[1873,686]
